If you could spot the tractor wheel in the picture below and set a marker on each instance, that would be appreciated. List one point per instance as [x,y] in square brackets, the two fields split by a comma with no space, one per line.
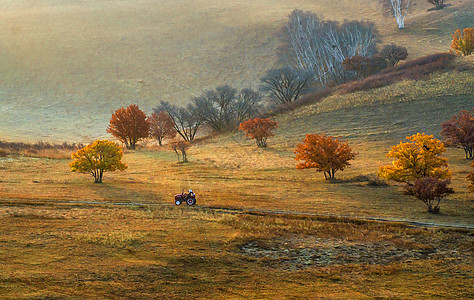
[191,201]
[177,202]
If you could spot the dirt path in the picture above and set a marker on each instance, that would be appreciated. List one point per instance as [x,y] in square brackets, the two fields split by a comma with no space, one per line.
[231,210]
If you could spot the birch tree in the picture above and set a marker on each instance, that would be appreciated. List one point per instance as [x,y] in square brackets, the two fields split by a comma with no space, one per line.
[399,9]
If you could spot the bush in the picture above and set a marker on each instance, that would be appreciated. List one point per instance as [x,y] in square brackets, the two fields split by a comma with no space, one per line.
[365,66]
[438,4]
[393,53]
[463,42]
[470,177]
[430,190]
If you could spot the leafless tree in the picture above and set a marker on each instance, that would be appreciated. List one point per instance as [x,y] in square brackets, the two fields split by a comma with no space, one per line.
[399,9]
[186,121]
[285,85]
[320,47]
[247,104]
[217,108]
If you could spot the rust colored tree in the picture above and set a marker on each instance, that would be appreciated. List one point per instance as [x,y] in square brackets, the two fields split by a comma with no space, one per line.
[161,126]
[463,42]
[459,131]
[129,125]
[259,129]
[430,190]
[326,154]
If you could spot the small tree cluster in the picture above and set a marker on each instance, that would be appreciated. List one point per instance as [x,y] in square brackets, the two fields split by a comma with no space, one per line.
[460,131]
[129,125]
[326,154]
[223,108]
[259,129]
[430,190]
[97,158]
[463,42]
[319,47]
[419,164]
[180,149]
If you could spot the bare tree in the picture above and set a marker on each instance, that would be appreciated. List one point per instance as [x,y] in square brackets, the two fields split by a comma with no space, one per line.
[285,85]
[186,121]
[217,108]
[247,104]
[319,47]
[393,53]
[399,9]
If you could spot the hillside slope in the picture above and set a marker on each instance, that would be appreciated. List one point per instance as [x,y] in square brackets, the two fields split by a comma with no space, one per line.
[66,65]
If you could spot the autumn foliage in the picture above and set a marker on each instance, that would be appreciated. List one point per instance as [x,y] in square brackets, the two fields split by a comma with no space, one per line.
[418,158]
[430,190]
[97,158]
[460,131]
[324,153]
[463,42]
[129,125]
[259,129]
[161,126]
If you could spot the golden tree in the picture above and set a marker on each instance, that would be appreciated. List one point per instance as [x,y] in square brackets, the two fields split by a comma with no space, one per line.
[161,126]
[97,158]
[259,129]
[324,153]
[420,157]
[463,42]
[129,125]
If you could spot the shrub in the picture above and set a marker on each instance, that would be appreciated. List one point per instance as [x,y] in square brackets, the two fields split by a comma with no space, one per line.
[259,129]
[421,157]
[326,154]
[129,125]
[365,66]
[181,147]
[97,158]
[460,131]
[463,42]
[393,53]
[430,190]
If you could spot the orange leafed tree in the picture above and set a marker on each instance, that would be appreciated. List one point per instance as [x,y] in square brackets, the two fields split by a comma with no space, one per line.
[324,153]
[129,125]
[161,126]
[259,129]
[460,131]
[463,42]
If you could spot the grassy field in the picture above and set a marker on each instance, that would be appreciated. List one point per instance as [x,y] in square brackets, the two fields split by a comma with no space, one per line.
[66,65]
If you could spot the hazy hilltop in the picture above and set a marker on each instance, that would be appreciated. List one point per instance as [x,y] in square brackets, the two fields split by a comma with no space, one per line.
[65,65]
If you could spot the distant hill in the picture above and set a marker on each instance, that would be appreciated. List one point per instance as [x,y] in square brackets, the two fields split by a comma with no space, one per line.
[65,65]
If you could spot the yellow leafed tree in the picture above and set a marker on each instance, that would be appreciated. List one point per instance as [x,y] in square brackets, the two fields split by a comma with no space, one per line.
[421,157]
[97,158]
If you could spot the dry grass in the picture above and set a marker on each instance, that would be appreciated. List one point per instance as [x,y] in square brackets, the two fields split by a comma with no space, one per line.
[66,65]
[134,252]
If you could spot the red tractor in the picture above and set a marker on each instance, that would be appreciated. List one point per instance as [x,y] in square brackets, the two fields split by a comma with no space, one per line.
[189,198]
